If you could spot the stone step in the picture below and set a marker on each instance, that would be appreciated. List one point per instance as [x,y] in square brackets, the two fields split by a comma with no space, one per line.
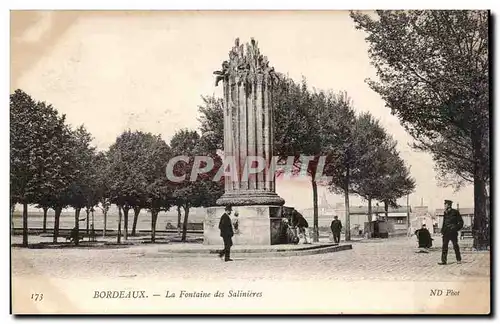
[248,252]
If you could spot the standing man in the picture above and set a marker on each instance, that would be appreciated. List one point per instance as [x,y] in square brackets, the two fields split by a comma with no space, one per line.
[226,232]
[336,228]
[452,223]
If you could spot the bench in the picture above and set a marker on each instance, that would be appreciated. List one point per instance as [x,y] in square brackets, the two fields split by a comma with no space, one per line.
[465,233]
[81,236]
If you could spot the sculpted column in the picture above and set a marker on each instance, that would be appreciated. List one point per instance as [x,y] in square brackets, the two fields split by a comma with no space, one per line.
[248,131]
[248,137]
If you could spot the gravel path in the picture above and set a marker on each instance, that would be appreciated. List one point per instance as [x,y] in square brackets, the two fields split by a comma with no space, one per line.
[392,259]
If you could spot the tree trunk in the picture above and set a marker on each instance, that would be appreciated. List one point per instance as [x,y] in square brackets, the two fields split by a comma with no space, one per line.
[25,224]
[179,215]
[480,230]
[347,216]
[58,211]
[87,211]
[105,223]
[154,217]
[386,210]
[408,212]
[137,210]
[77,224]
[45,210]
[93,225]
[12,209]
[125,222]
[315,211]
[119,237]
[370,210]
[184,225]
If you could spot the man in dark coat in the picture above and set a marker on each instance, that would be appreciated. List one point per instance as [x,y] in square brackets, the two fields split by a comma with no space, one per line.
[301,223]
[424,237]
[336,228]
[452,223]
[226,232]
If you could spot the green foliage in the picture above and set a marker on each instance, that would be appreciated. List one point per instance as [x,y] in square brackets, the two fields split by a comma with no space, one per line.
[40,150]
[137,162]
[433,74]
[381,173]
[84,189]
[342,149]
[136,174]
[127,165]
[200,193]
[295,128]
[212,122]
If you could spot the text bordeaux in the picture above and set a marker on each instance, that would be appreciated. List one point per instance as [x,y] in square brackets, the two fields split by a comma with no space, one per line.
[120,294]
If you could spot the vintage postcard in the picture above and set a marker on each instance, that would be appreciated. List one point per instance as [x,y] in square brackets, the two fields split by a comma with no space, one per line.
[250,162]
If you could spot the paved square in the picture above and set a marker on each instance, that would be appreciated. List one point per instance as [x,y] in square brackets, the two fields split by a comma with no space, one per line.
[384,259]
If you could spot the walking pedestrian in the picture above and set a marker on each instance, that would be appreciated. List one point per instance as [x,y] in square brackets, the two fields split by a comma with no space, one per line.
[336,227]
[226,232]
[452,223]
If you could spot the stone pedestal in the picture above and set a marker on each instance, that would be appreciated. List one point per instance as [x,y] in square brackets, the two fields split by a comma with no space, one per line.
[257,225]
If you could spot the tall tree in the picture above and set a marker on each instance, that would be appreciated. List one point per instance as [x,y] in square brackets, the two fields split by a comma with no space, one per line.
[158,193]
[59,186]
[128,162]
[83,190]
[102,179]
[395,184]
[379,164]
[40,152]
[203,191]
[306,126]
[26,133]
[159,199]
[433,71]
[343,155]
[370,139]
[300,131]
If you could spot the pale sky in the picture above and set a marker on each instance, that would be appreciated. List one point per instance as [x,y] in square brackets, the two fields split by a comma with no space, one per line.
[112,71]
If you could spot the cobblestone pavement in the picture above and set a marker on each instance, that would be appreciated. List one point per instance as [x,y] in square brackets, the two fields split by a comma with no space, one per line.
[389,259]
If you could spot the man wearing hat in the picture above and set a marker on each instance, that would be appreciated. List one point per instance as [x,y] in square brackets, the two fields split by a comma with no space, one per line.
[226,232]
[452,223]
[336,227]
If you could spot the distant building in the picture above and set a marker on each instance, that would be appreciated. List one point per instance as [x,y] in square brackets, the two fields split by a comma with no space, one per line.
[326,211]
[397,217]
[420,215]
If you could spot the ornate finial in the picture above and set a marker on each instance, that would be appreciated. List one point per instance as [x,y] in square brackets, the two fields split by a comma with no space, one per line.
[245,62]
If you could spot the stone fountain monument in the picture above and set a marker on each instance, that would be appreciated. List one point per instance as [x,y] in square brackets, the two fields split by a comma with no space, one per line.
[248,142]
